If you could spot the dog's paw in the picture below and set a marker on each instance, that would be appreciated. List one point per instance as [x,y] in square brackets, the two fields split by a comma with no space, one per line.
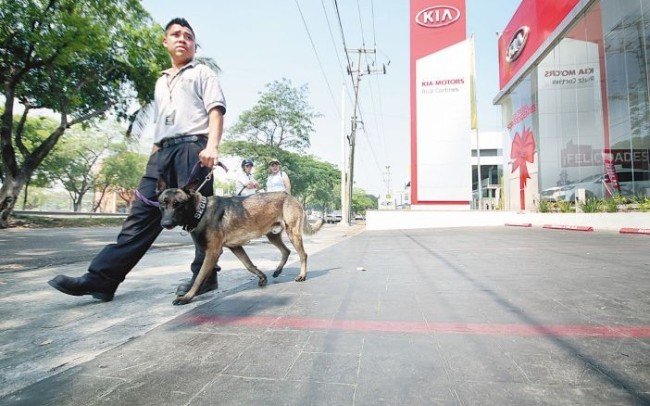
[262,282]
[277,273]
[181,300]
[301,278]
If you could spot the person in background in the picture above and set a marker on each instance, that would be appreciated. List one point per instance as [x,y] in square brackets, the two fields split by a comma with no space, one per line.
[246,184]
[278,181]
[189,108]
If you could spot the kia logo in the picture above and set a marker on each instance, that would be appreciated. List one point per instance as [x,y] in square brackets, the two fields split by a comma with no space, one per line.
[517,44]
[437,16]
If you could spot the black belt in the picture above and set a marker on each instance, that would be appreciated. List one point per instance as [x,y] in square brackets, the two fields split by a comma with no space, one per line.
[168,142]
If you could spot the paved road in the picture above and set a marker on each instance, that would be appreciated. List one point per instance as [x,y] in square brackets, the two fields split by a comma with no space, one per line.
[25,249]
[464,316]
[43,332]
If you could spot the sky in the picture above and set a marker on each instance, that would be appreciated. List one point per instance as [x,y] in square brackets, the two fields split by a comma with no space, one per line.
[256,42]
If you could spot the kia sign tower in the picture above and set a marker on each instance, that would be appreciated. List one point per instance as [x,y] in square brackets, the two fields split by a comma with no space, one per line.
[441,170]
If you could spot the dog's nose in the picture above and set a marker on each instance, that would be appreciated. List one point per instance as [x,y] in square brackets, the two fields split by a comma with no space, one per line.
[167,223]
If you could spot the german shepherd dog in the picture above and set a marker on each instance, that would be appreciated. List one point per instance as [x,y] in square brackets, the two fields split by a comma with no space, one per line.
[216,222]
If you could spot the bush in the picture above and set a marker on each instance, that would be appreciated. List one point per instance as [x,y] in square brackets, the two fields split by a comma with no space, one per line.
[610,205]
[643,202]
[591,205]
[565,207]
[544,206]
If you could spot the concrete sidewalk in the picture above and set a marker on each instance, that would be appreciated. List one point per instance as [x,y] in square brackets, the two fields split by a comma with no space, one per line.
[485,316]
[44,332]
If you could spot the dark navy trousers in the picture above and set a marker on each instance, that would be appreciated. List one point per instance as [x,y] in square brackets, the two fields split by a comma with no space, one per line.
[175,163]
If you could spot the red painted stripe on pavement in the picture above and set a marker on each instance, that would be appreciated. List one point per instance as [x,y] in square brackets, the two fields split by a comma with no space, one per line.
[524,330]
[626,230]
[570,228]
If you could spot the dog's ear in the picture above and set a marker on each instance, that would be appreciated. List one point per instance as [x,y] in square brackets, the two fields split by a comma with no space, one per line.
[191,187]
[160,185]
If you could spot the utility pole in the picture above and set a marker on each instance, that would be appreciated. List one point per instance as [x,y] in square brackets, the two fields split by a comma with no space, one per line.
[344,139]
[387,180]
[356,78]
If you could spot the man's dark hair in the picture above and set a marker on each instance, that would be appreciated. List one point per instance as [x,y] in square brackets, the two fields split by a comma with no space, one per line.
[180,21]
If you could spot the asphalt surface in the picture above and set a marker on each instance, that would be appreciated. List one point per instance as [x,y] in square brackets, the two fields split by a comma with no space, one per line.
[60,246]
[463,316]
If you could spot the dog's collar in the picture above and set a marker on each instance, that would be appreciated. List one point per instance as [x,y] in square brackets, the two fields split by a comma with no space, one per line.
[198,214]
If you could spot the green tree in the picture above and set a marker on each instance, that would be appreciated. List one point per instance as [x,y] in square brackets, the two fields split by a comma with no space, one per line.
[36,130]
[120,172]
[312,181]
[74,160]
[279,126]
[320,183]
[282,118]
[361,201]
[227,186]
[78,59]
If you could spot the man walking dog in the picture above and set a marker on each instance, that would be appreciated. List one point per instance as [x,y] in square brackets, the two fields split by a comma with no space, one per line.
[189,109]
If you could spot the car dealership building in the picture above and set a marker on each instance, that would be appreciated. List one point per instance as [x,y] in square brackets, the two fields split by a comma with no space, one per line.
[574,92]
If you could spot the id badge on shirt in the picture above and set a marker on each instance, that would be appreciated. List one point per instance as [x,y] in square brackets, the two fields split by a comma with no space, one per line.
[169,119]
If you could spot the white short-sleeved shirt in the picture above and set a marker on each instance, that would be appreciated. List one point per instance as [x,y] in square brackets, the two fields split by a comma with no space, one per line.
[182,102]
[240,185]
[275,183]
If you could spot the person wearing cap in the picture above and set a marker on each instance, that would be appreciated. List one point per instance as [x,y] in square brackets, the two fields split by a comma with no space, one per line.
[246,184]
[278,181]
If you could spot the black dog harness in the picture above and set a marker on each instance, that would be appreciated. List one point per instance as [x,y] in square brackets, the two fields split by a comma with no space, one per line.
[198,215]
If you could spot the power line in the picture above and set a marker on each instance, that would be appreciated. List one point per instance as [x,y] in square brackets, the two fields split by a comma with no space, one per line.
[373,99]
[345,47]
[329,28]
[363,40]
[372,13]
[379,118]
[357,115]
[313,46]
[356,78]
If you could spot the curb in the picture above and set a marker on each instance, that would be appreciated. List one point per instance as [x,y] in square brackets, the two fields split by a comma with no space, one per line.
[570,228]
[623,230]
[626,230]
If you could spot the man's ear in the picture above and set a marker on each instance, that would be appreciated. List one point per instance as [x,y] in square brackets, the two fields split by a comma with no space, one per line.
[161,185]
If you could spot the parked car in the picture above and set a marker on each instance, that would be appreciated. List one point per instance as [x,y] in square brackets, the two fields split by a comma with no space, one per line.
[632,182]
[333,218]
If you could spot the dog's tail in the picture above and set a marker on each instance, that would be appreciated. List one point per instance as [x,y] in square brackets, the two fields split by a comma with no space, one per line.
[311,229]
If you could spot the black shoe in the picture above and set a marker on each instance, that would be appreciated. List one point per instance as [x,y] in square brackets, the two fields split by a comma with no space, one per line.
[88,284]
[208,285]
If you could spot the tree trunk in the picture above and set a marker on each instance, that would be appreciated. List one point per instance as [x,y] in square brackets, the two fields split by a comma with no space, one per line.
[8,196]
[76,204]
[25,195]
[99,201]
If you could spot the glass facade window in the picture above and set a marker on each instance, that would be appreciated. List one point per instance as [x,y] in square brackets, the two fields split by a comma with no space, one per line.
[570,82]
[521,176]
[590,96]
[626,28]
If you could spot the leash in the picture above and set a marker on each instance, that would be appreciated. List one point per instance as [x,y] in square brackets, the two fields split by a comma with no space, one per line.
[145,200]
[152,203]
